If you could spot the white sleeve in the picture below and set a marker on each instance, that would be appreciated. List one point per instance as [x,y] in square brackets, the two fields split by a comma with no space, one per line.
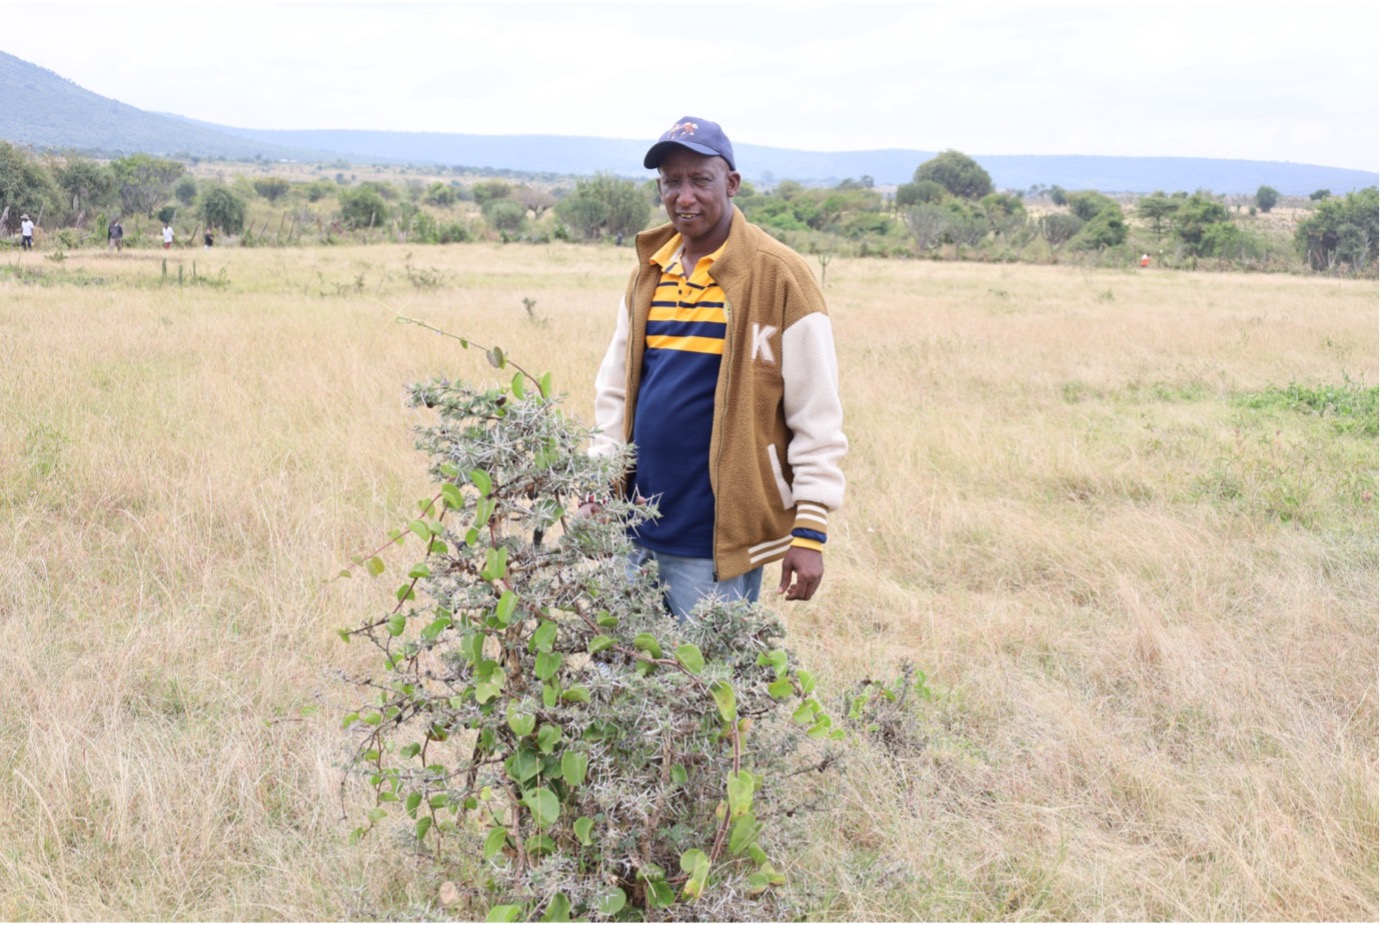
[610,389]
[812,410]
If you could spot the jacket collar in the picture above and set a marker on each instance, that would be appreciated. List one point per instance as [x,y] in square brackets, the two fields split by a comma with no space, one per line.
[730,266]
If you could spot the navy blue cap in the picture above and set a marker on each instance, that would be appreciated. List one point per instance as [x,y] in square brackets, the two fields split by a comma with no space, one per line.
[695,135]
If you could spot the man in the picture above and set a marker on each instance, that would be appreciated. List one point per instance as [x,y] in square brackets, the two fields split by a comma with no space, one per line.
[167,235]
[26,232]
[722,373]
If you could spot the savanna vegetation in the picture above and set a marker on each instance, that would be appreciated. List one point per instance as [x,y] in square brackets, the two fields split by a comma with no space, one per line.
[1125,524]
[949,210]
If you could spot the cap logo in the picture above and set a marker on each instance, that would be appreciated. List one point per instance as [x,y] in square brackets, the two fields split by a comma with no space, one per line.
[681,130]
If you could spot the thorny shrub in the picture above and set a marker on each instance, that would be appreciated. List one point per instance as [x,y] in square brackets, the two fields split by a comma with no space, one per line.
[560,744]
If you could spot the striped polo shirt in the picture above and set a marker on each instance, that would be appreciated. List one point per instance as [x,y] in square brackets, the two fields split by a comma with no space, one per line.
[683,344]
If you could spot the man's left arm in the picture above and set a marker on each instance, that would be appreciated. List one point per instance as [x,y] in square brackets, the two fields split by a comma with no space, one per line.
[812,410]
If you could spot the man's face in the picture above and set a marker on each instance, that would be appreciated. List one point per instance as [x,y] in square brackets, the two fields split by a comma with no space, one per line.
[696,190]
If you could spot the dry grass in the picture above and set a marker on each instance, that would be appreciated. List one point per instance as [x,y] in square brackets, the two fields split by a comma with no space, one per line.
[1149,613]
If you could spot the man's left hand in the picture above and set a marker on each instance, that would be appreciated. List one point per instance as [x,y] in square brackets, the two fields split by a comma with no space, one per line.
[802,573]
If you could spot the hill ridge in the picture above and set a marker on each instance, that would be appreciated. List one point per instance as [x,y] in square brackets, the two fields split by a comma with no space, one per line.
[48,111]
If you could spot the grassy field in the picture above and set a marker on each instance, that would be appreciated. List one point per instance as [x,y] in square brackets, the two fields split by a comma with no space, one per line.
[1127,522]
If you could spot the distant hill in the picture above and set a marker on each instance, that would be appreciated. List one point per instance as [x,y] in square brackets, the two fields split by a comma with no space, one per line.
[45,110]
[42,109]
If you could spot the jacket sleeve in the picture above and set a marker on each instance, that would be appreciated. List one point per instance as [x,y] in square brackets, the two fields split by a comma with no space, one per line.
[610,389]
[812,410]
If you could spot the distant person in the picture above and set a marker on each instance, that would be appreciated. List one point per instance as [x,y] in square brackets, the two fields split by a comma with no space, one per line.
[206,240]
[115,235]
[1144,260]
[26,232]
[167,236]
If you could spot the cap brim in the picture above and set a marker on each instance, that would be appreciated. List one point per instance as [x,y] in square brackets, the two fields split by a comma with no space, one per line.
[655,155]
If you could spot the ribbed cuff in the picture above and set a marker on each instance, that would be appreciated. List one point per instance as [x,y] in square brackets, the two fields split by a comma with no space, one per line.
[810,526]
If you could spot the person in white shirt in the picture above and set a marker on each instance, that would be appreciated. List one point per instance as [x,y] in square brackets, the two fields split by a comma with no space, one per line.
[26,231]
[167,236]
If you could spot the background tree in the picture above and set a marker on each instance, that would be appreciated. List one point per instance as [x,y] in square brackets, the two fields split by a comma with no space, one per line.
[606,204]
[1194,219]
[1266,198]
[504,215]
[363,206]
[25,186]
[1087,204]
[1057,228]
[185,190]
[929,224]
[959,174]
[1341,228]
[222,208]
[917,193]
[144,182]
[86,184]
[1157,211]
[1320,194]
[487,190]
[440,194]
[271,188]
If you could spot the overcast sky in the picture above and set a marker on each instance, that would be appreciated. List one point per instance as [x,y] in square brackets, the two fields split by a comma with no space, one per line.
[1262,81]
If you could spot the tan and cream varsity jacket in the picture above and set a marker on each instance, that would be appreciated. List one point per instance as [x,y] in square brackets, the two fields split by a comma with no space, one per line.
[777,438]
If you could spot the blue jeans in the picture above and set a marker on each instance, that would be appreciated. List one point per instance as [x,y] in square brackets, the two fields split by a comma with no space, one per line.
[686,581]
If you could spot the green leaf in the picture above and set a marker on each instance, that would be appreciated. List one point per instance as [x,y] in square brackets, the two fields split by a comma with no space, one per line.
[807,711]
[605,621]
[546,664]
[504,914]
[481,479]
[521,723]
[611,901]
[449,469]
[690,657]
[807,681]
[691,859]
[756,884]
[375,566]
[420,530]
[545,385]
[543,804]
[781,689]
[496,356]
[559,909]
[678,774]
[548,738]
[543,637]
[739,792]
[724,695]
[421,829]
[659,894]
[504,611]
[697,866]
[494,842]
[420,570]
[523,765]
[777,659]
[516,385]
[582,827]
[577,693]
[395,624]
[599,644]
[743,833]
[451,495]
[574,768]
[647,643]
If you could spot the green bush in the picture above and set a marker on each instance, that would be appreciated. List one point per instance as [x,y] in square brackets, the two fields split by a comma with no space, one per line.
[363,206]
[542,726]
[504,215]
[223,209]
